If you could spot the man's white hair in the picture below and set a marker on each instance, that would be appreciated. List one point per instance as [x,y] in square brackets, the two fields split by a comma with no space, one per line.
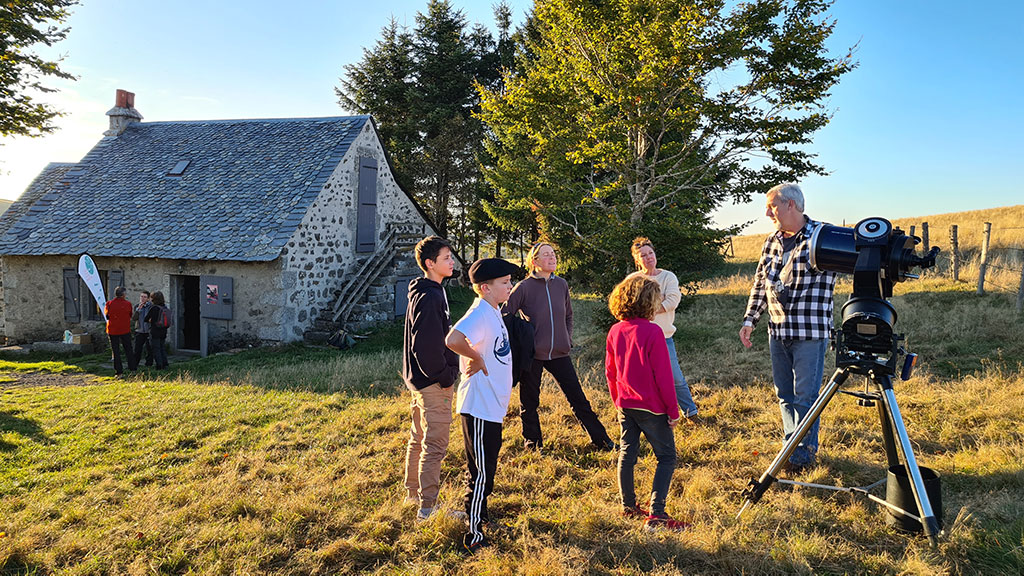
[789,191]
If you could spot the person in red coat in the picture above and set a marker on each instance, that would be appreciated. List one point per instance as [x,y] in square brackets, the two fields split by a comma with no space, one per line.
[119,327]
[640,381]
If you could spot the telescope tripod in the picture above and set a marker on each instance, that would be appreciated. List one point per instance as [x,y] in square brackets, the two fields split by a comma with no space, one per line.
[894,435]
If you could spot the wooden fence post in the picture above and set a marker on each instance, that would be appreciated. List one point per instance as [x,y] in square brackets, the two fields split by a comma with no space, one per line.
[984,259]
[1020,292]
[954,253]
[924,236]
[912,228]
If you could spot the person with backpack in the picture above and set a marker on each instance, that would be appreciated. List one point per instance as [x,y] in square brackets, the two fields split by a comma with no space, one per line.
[142,343]
[159,319]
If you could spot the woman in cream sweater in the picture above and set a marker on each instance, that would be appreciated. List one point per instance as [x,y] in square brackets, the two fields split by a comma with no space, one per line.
[647,266]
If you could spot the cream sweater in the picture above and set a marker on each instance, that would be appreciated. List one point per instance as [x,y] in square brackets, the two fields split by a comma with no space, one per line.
[670,297]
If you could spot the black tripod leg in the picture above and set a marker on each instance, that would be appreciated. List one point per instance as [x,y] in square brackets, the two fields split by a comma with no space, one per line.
[924,505]
[888,441]
[756,488]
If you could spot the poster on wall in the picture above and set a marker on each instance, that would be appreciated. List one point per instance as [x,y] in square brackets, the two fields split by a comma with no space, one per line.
[216,297]
[91,276]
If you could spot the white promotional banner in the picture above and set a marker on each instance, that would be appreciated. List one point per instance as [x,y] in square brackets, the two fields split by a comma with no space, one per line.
[87,270]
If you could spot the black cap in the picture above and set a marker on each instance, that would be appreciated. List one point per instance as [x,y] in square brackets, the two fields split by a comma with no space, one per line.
[486,269]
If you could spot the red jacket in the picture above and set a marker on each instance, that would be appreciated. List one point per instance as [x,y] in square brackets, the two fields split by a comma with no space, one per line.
[119,316]
[636,364]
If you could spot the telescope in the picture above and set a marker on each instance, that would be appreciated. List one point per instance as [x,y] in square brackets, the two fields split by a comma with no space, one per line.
[866,343]
[878,255]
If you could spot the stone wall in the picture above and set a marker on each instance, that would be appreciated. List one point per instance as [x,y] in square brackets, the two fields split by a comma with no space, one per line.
[321,256]
[34,294]
[3,328]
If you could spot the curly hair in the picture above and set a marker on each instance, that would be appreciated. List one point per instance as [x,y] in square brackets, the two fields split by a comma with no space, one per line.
[635,297]
[638,243]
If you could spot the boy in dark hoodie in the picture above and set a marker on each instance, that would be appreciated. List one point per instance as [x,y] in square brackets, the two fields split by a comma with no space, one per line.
[429,370]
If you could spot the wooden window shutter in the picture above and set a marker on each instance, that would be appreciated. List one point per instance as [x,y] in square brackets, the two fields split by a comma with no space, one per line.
[366,214]
[72,304]
[115,278]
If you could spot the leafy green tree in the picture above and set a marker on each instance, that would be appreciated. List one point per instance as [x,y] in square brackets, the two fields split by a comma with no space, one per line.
[24,24]
[641,116]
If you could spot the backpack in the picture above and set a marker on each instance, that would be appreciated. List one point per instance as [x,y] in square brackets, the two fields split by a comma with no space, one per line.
[164,319]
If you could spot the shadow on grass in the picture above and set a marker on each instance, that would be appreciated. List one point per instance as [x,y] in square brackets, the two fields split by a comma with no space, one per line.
[11,422]
[18,563]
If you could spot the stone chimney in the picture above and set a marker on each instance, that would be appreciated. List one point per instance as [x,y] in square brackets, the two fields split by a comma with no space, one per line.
[123,113]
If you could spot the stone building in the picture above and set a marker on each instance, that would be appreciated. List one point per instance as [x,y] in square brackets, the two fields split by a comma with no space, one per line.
[268,230]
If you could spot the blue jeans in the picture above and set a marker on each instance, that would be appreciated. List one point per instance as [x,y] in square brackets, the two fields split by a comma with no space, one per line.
[683,396]
[655,427]
[797,368]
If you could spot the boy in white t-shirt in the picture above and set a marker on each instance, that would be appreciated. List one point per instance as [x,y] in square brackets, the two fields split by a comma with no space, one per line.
[481,341]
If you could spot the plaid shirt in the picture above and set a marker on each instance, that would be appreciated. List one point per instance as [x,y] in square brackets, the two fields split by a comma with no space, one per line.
[806,313]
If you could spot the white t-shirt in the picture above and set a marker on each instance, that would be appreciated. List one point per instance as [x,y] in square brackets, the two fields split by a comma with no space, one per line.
[485,397]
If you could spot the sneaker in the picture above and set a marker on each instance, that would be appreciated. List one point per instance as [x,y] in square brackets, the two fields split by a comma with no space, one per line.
[665,522]
[793,469]
[634,511]
[473,548]
[411,501]
[530,445]
[424,513]
[606,446]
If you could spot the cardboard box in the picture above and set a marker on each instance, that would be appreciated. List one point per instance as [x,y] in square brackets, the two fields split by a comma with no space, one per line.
[81,338]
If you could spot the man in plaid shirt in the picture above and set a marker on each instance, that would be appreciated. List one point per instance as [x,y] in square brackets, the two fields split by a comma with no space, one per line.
[799,302]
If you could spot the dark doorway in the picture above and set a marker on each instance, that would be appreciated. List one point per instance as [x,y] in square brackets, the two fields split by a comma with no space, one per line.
[187,313]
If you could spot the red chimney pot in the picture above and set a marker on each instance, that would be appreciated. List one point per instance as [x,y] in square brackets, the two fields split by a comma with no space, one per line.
[125,99]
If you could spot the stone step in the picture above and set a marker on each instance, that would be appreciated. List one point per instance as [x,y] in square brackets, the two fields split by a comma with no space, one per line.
[326,324]
[316,336]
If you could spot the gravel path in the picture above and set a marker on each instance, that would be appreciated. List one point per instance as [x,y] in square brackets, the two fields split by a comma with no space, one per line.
[37,379]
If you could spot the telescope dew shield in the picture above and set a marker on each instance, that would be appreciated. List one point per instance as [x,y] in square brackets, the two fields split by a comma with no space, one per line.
[833,249]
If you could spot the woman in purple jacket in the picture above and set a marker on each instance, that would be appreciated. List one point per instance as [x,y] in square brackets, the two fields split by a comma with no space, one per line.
[543,298]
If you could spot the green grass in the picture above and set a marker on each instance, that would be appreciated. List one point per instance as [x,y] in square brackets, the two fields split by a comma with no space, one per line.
[289,461]
[56,367]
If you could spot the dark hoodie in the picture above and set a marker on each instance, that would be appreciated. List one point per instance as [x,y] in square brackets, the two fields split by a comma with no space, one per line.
[425,358]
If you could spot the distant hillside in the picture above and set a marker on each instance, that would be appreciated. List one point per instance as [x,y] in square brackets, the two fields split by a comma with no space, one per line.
[5,204]
[1007,231]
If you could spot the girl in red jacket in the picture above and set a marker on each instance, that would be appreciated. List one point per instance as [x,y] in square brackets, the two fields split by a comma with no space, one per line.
[643,389]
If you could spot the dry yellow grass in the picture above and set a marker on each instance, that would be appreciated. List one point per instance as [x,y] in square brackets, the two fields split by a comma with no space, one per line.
[289,462]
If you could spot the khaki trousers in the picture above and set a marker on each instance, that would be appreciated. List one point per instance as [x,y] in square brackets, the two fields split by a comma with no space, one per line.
[431,410]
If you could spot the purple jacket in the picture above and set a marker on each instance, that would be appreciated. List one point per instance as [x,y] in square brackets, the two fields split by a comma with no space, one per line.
[545,304]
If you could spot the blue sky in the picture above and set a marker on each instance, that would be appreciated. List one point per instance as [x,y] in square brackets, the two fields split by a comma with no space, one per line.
[929,123]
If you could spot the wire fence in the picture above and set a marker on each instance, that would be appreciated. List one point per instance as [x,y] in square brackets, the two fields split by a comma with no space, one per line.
[998,268]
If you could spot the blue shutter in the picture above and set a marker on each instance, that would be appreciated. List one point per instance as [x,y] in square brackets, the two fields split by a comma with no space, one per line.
[402,295]
[366,215]
[72,305]
[115,278]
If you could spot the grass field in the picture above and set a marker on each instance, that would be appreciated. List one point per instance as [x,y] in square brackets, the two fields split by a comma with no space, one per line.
[289,461]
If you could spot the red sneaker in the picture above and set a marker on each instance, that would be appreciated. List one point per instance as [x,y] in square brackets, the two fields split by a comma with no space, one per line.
[665,522]
[634,511]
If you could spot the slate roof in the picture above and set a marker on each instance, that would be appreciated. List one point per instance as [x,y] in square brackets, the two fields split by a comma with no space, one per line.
[52,174]
[246,189]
